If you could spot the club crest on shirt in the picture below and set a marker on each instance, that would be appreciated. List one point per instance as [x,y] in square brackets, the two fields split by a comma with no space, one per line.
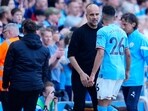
[131,45]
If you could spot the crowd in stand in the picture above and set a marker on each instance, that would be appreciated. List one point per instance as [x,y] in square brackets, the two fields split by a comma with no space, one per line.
[55,22]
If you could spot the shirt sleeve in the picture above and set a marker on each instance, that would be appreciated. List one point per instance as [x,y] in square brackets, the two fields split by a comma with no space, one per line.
[74,44]
[100,40]
[144,49]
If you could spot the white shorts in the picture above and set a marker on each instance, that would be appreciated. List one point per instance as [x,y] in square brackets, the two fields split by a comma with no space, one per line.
[107,88]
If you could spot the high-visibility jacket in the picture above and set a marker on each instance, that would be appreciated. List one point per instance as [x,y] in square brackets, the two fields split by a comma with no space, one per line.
[3,51]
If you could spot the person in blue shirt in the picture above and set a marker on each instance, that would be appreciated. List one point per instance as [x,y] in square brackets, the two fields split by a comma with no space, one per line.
[113,58]
[138,45]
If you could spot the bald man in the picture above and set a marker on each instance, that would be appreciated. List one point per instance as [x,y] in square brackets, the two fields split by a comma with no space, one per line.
[81,53]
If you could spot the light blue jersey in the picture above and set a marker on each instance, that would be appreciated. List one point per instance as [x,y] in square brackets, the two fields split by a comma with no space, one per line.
[114,41]
[55,71]
[138,45]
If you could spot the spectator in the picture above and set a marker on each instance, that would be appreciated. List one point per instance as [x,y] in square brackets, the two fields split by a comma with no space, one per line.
[40,17]
[112,51]
[67,67]
[113,3]
[46,36]
[138,45]
[10,32]
[47,102]
[60,4]
[9,3]
[52,17]
[17,17]
[25,69]
[39,5]
[5,15]
[55,67]
[1,35]
[142,5]
[73,18]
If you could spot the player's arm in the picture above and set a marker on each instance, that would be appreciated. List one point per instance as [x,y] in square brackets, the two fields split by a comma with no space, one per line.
[100,46]
[128,62]
[97,62]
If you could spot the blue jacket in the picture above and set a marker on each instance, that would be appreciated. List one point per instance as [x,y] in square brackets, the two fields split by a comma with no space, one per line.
[26,64]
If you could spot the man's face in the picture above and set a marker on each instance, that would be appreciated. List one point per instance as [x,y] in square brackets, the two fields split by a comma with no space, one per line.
[42,4]
[61,4]
[11,4]
[93,15]
[47,38]
[17,17]
[6,33]
[74,8]
[55,18]
[126,26]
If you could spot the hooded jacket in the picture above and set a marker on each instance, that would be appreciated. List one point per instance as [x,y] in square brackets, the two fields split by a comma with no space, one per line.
[26,64]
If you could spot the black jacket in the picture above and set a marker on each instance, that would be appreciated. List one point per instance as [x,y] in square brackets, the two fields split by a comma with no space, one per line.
[26,64]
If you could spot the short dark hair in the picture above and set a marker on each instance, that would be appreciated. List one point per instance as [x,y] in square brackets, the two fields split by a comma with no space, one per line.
[14,10]
[29,26]
[139,2]
[130,18]
[39,12]
[108,10]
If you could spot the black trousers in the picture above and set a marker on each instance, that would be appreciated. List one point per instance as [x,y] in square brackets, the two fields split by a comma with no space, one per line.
[4,100]
[23,99]
[131,97]
[79,92]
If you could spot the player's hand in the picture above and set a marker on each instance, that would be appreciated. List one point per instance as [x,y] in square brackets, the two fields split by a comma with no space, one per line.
[91,81]
[126,75]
